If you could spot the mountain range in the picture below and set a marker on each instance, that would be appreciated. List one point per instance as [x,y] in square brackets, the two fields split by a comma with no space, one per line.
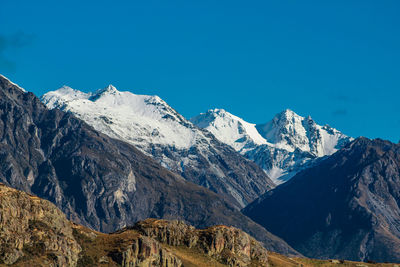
[282,147]
[98,181]
[151,125]
[108,159]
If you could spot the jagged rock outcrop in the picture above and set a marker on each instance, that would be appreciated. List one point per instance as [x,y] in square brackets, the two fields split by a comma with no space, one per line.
[228,245]
[97,181]
[30,226]
[144,251]
[346,207]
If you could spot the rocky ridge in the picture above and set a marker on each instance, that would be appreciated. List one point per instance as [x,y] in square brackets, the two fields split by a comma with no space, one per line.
[227,245]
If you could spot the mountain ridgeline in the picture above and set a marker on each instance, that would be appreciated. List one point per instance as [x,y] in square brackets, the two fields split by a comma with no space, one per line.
[347,206]
[109,159]
[98,181]
[283,146]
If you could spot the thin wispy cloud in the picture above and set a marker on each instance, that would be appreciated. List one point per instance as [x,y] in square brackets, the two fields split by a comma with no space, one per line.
[12,42]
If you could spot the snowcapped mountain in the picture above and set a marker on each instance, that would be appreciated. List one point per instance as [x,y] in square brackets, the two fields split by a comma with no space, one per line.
[230,129]
[158,130]
[141,119]
[282,146]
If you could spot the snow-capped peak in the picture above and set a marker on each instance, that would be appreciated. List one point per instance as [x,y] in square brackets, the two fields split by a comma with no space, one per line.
[285,130]
[133,117]
[291,131]
[155,128]
[281,146]
[229,128]
[110,89]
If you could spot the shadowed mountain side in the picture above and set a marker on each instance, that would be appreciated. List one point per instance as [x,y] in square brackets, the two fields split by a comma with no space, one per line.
[345,207]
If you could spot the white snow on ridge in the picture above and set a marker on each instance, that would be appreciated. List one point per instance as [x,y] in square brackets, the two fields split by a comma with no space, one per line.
[286,130]
[4,77]
[282,146]
[155,128]
[229,128]
[125,115]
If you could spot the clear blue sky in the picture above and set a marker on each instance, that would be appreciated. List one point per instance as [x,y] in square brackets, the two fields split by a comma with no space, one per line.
[338,61]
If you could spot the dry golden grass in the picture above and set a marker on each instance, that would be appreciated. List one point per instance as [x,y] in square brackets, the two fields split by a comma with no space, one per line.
[193,257]
[96,245]
[277,260]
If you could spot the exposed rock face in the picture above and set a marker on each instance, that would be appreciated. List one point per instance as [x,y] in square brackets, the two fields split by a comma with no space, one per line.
[155,128]
[228,245]
[30,226]
[345,207]
[145,251]
[98,181]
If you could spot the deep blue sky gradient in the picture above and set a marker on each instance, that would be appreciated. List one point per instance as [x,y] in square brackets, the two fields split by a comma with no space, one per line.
[338,61]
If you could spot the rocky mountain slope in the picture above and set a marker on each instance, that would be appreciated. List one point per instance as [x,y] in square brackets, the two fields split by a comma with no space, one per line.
[24,229]
[282,147]
[151,125]
[347,206]
[98,181]
[35,233]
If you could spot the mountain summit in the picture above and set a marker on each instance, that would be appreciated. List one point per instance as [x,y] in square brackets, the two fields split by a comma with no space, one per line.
[159,131]
[290,131]
[282,146]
